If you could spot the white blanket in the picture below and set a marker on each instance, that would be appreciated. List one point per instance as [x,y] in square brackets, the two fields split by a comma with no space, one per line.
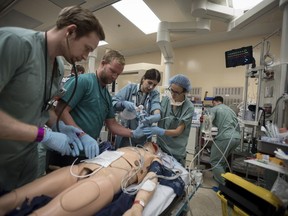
[164,195]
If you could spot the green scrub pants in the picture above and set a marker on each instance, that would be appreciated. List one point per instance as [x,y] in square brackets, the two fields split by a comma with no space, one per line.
[219,165]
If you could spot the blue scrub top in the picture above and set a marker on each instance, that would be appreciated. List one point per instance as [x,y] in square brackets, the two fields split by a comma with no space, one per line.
[132,93]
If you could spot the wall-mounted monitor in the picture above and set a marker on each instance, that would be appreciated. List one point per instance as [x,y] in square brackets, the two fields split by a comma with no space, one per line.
[241,56]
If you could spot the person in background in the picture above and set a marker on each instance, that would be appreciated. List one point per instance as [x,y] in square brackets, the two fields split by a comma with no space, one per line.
[91,105]
[134,95]
[80,70]
[31,71]
[227,138]
[176,118]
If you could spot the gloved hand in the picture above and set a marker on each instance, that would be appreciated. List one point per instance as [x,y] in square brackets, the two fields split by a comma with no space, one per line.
[56,141]
[128,105]
[138,132]
[71,132]
[148,120]
[149,131]
[91,146]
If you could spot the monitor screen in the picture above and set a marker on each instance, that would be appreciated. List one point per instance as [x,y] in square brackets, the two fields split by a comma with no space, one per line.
[241,56]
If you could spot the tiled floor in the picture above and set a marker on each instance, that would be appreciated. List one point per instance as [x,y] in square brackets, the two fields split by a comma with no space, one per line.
[205,201]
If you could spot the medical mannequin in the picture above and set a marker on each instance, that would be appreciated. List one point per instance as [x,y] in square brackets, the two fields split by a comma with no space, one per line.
[86,196]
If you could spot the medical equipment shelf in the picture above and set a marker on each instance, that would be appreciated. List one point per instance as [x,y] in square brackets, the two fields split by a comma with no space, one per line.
[250,123]
[269,147]
[239,167]
[268,165]
[237,161]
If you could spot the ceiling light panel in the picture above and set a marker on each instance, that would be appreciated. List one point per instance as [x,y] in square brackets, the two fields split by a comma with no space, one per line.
[139,14]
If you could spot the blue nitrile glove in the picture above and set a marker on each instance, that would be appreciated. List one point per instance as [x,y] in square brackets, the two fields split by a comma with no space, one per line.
[72,133]
[149,131]
[91,146]
[128,105]
[56,141]
[138,132]
[148,120]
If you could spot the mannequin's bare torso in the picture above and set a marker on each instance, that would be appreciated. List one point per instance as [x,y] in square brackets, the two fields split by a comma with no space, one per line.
[82,196]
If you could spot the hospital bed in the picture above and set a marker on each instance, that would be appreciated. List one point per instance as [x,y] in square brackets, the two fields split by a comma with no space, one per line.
[164,200]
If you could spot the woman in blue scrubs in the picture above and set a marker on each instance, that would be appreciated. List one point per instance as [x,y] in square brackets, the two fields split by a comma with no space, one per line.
[132,96]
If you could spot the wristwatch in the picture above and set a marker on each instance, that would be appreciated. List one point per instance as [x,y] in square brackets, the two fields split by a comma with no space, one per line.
[141,202]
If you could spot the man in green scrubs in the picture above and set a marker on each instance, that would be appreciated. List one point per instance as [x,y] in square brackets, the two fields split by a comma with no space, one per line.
[227,138]
[91,106]
[30,73]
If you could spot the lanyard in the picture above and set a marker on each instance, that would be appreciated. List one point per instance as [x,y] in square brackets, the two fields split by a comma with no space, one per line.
[141,98]
[46,105]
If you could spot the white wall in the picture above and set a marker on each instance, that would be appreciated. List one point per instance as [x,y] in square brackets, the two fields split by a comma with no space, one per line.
[205,64]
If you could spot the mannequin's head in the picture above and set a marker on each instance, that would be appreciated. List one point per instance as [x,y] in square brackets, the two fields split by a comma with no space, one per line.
[151,147]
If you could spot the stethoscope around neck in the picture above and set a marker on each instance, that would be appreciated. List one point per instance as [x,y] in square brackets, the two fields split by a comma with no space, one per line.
[74,89]
[144,99]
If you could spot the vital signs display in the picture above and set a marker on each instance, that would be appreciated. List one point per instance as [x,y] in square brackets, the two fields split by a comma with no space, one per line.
[241,56]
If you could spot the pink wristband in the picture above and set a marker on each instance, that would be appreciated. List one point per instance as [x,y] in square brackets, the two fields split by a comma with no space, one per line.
[40,134]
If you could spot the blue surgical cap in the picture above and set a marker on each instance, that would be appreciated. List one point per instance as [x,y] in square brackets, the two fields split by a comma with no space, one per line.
[182,81]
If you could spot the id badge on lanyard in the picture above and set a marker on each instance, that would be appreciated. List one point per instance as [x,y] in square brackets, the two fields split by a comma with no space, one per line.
[146,103]
[134,99]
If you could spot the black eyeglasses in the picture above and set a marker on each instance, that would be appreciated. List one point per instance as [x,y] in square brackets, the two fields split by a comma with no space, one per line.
[175,92]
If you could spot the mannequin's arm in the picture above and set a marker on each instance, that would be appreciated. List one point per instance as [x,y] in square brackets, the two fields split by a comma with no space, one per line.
[143,196]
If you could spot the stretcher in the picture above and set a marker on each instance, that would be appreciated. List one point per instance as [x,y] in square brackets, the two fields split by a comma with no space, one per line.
[164,200]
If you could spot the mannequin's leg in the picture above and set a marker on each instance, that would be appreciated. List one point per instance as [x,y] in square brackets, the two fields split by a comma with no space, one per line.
[87,196]
[50,185]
